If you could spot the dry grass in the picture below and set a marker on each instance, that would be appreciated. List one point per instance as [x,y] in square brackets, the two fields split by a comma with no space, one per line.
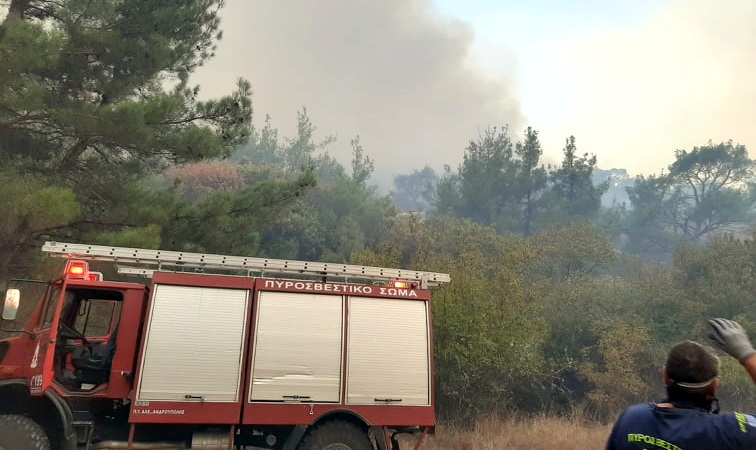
[532,433]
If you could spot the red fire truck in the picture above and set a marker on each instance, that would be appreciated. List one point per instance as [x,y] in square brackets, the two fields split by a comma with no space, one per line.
[218,352]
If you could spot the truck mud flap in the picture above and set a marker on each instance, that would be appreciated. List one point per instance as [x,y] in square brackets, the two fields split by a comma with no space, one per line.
[295,437]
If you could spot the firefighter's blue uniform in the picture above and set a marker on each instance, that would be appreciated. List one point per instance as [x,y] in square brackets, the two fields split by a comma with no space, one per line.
[650,427]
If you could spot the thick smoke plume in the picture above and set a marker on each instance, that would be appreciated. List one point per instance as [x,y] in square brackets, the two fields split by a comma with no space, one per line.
[390,71]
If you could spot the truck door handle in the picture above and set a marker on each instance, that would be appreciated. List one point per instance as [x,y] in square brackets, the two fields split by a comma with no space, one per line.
[194,397]
[297,397]
[388,400]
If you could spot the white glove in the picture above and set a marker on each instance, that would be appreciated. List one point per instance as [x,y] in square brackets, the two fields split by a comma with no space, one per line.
[731,338]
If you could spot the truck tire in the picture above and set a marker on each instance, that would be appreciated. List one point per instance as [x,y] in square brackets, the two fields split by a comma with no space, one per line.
[336,435]
[22,433]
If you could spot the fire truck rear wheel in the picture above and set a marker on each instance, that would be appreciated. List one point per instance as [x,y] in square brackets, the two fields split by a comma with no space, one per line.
[336,435]
[22,433]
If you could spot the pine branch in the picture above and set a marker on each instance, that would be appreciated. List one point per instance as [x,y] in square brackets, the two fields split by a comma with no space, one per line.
[73,154]
[185,120]
[22,120]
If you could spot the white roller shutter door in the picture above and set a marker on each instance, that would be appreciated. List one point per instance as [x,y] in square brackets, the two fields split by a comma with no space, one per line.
[388,352]
[194,344]
[298,347]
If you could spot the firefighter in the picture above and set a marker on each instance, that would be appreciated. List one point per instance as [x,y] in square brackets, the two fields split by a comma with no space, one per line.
[688,418]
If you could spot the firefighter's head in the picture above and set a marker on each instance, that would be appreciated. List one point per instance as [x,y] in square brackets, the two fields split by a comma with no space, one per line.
[691,373]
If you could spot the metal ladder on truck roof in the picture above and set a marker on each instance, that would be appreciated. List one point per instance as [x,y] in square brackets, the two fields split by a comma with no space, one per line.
[250,265]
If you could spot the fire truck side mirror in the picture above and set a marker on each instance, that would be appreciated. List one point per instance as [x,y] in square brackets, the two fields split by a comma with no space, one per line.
[12,300]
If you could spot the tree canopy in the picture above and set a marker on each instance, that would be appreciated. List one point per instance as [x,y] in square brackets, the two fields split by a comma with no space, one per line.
[706,191]
[95,99]
[502,184]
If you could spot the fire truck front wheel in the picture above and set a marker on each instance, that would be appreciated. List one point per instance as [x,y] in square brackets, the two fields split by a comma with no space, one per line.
[22,433]
[336,435]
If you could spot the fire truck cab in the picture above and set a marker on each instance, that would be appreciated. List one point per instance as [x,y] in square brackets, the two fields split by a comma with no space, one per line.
[218,352]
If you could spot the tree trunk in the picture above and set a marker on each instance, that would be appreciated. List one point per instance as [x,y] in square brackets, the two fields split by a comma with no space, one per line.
[15,13]
[73,153]
[17,9]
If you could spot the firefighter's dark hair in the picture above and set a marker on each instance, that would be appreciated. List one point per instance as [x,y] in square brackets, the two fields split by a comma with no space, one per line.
[691,366]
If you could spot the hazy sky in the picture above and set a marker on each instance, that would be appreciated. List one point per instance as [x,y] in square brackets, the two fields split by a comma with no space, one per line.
[417,79]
